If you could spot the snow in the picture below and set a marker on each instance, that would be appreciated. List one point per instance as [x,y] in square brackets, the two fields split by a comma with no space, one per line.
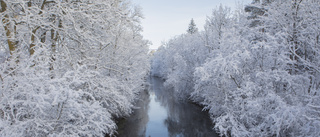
[87,67]
[255,80]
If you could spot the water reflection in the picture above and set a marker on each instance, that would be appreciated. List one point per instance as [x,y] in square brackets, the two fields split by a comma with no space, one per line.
[162,115]
[135,125]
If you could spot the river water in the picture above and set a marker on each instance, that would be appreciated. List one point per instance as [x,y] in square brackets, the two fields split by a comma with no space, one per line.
[159,114]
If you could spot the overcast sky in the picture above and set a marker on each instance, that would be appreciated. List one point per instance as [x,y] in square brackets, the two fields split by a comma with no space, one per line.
[167,18]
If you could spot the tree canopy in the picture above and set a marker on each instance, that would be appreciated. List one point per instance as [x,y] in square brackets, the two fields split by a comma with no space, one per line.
[69,67]
[256,70]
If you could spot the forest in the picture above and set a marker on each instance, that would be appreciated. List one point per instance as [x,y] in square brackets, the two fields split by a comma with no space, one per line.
[69,67]
[256,69]
[72,67]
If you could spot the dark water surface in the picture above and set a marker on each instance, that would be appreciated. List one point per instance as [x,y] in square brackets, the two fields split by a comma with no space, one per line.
[159,114]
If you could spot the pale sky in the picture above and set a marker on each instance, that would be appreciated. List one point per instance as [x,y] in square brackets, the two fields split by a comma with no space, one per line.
[167,18]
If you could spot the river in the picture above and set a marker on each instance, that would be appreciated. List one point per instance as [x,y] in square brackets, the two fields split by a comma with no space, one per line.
[159,114]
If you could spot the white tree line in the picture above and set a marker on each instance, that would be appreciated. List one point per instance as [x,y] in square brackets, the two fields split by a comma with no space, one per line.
[256,70]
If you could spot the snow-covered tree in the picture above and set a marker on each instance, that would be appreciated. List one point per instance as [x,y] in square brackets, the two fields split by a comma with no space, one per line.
[216,25]
[192,27]
[69,67]
[178,59]
[261,79]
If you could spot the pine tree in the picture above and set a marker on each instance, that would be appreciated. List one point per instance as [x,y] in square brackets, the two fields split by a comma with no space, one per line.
[192,27]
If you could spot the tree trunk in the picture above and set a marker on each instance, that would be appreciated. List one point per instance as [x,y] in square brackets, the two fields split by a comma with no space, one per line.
[9,32]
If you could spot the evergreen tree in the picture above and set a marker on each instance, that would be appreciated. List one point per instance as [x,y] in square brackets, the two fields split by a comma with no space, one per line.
[192,27]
